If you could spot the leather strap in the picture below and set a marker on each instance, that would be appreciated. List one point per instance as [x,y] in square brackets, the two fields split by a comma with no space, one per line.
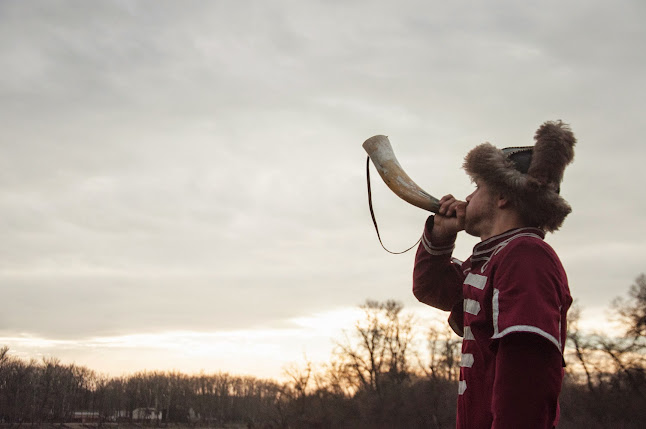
[374,220]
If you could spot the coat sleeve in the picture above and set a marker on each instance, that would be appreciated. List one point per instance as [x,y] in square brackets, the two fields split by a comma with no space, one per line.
[529,294]
[437,278]
[527,383]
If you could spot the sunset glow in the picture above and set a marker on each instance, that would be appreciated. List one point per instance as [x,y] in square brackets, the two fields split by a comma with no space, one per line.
[184,188]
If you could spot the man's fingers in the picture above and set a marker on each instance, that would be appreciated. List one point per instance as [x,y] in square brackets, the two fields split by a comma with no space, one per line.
[445,203]
[451,209]
[460,209]
[446,198]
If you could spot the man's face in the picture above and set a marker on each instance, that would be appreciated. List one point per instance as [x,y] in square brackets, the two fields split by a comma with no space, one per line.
[480,211]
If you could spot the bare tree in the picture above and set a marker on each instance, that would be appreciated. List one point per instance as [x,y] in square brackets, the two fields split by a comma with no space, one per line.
[628,353]
[632,311]
[444,354]
[582,348]
[379,350]
[299,377]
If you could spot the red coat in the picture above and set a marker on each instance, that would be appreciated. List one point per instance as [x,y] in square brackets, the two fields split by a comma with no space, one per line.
[509,301]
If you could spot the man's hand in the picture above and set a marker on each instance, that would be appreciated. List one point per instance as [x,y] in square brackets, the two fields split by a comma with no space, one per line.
[448,221]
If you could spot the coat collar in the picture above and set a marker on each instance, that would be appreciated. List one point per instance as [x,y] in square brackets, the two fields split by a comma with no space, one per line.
[492,243]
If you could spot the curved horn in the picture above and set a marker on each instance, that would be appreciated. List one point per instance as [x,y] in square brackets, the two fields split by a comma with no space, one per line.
[383,157]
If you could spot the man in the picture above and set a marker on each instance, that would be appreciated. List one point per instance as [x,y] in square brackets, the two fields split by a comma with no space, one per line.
[509,300]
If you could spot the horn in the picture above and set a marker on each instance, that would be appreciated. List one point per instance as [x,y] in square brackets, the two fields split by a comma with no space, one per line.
[381,153]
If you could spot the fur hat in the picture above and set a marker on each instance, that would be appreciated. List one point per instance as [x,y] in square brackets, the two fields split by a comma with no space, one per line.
[530,176]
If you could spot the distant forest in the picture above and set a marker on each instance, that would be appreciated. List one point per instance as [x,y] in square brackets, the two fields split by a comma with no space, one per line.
[379,376]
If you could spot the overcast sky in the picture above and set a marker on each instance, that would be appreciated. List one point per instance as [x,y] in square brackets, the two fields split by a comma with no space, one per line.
[182,184]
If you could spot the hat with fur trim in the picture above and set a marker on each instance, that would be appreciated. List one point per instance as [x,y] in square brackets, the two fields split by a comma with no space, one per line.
[529,176]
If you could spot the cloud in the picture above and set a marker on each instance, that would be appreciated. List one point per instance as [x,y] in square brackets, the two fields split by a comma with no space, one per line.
[200,167]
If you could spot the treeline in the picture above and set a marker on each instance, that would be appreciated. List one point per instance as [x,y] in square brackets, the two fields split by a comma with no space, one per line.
[605,384]
[378,377]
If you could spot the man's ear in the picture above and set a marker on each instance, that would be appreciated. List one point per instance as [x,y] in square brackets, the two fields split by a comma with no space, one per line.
[503,202]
